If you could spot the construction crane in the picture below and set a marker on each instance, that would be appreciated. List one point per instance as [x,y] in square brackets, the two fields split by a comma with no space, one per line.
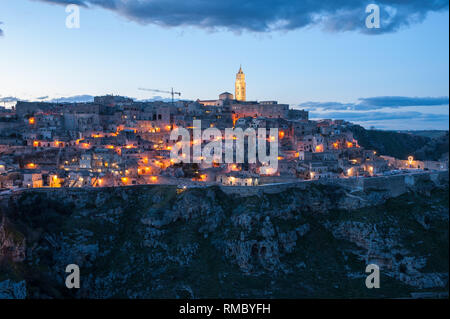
[172,93]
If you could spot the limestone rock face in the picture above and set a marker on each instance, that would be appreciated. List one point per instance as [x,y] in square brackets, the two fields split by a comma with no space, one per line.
[160,242]
[381,249]
[12,243]
[13,290]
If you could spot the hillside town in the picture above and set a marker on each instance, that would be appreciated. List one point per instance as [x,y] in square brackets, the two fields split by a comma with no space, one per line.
[116,141]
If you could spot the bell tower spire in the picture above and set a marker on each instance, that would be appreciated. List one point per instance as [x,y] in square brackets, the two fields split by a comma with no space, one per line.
[240,86]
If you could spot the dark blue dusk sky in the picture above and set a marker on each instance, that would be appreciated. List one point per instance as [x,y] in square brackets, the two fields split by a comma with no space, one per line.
[317,55]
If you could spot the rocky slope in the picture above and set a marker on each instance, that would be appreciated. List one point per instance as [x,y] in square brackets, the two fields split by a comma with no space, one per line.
[403,144]
[163,242]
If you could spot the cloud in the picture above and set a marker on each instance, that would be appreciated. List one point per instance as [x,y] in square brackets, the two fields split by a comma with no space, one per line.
[9,99]
[268,15]
[73,99]
[384,112]
[400,101]
[376,103]
[327,106]
[70,99]
[381,116]
[90,98]
[390,121]
[157,98]
[82,3]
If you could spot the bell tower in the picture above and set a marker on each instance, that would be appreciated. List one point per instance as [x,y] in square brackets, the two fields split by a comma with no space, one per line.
[240,85]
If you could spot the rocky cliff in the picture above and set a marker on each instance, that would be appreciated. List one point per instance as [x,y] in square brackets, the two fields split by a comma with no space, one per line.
[164,242]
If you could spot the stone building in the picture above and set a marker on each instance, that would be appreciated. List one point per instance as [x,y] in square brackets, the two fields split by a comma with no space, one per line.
[238,179]
[240,86]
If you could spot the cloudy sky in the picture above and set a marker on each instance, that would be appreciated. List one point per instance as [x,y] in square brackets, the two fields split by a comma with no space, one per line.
[317,55]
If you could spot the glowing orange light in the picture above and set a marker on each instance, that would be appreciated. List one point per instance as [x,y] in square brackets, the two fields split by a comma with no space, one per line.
[234,118]
[349,144]
[31,120]
[35,143]
[319,148]
[31,165]
[154,178]
[281,134]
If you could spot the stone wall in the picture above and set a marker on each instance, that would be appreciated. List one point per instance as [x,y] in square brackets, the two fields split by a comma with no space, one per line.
[395,185]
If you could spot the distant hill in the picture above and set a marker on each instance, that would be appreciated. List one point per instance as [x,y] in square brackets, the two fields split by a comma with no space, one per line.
[403,144]
[436,149]
[427,133]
